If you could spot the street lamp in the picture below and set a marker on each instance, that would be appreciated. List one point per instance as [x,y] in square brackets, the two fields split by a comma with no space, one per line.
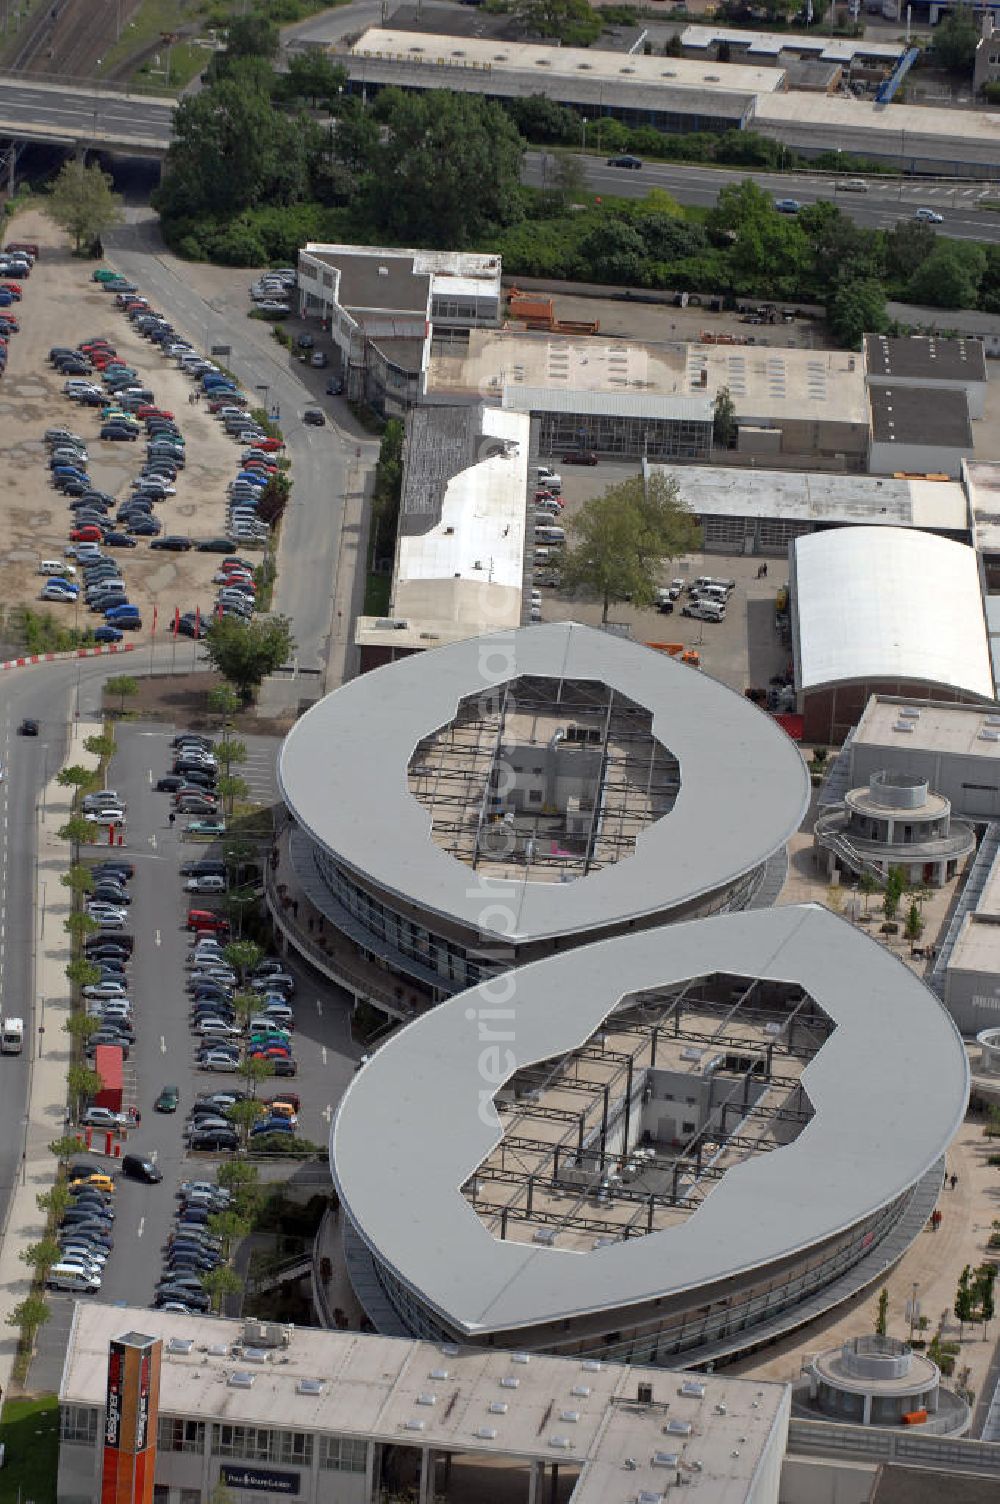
[263,387]
[583,132]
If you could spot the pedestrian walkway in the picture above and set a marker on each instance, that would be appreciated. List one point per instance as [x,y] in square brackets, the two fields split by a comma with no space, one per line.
[49,1048]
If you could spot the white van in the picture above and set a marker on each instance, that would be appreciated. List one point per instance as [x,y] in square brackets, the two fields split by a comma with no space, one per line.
[548,507]
[706,581]
[72,1277]
[548,479]
[545,533]
[56,567]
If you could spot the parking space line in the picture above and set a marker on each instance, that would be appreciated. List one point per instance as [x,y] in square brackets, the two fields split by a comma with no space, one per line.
[156,938]
[163,1045]
[319,1006]
[323,1053]
[139,1229]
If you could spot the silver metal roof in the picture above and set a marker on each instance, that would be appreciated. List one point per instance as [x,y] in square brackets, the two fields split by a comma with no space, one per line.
[889,1089]
[666,406]
[342,773]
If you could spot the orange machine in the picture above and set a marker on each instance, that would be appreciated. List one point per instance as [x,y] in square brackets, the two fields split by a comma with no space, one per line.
[677,650]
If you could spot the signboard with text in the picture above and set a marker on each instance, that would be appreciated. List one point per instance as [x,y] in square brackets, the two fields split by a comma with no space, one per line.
[133,1392]
[240,1475]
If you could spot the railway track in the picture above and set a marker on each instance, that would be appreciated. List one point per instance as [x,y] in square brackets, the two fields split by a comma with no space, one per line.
[68,37]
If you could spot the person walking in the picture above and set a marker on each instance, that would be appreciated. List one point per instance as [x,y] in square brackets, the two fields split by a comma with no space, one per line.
[953,1182]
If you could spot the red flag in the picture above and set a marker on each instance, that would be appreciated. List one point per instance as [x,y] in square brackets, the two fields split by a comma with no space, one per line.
[177,620]
[155,610]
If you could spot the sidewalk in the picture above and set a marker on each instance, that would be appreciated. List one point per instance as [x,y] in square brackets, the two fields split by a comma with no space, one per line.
[47,1046]
[352,573]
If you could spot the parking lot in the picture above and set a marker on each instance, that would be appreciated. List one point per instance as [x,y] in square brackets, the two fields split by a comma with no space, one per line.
[61,305]
[743,650]
[163,1053]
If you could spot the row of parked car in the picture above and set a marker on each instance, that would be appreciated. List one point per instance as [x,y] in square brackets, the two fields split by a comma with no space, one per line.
[223,1040]
[273,290]
[108,1000]
[192,1250]
[191,782]
[16,261]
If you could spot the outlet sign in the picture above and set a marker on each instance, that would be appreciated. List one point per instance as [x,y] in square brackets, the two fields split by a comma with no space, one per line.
[263,1478]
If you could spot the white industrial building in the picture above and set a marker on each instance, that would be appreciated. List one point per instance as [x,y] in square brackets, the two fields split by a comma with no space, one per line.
[460,545]
[888,611]
[581,1168]
[344,1418]
[761,511]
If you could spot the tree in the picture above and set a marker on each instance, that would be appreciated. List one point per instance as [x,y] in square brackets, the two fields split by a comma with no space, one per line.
[29,1314]
[54,1201]
[614,252]
[231,151]
[224,701]
[78,879]
[571,22]
[244,956]
[244,1115]
[869,884]
[856,308]
[246,652]
[76,776]
[42,1255]
[125,687]
[622,537]
[80,925]
[311,76]
[446,170]
[907,246]
[273,499]
[82,203]
[242,1181]
[65,1147]
[986,1276]
[256,1071]
[914,924]
[765,249]
[950,275]
[80,1026]
[841,251]
[79,831]
[895,883]
[965,1301]
[231,752]
[83,973]
[230,788]
[724,419]
[882,1319]
[955,41]
[100,746]
[219,1283]
[82,1083]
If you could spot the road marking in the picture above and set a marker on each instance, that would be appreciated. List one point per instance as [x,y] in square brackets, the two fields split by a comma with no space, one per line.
[163,1045]
[328,1112]
[142,1223]
[152,841]
[323,1050]
[149,775]
[153,1156]
[156,938]
[319,1006]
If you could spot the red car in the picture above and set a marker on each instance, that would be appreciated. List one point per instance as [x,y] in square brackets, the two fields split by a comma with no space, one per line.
[14,287]
[89,533]
[204,919]
[270,445]
[97,344]
[580,457]
[146,411]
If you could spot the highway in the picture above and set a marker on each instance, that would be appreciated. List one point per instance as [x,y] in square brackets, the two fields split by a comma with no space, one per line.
[885,203]
[75,111]
[321,457]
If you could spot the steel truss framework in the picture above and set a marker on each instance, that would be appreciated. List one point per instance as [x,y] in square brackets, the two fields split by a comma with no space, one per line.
[559,1163]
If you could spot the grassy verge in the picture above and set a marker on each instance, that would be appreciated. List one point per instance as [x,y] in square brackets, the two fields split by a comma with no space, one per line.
[29,1430]
[378,588]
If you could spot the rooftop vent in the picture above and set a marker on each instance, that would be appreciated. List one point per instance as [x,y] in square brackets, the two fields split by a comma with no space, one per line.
[591,1365]
[499,1407]
[449,1349]
[255,1355]
[665,1459]
[580,1391]
[903,726]
[992,720]
[383,271]
[520,1357]
[180,1345]
[427,1399]
[486,1433]
[240,1380]
[692,1390]
[438,1373]
[909,713]
[561,1443]
[988,736]
[678,1428]
[217,1350]
[309,1386]
[570,1417]
[645,1496]
[545,1235]
[413,1425]
[508,1382]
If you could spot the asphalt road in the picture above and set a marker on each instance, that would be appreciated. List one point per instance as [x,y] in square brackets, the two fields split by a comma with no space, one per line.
[310,533]
[885,203]
[78,110]
[163,1053]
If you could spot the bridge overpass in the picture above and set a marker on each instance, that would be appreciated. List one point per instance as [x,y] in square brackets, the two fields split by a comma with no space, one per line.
[74,114]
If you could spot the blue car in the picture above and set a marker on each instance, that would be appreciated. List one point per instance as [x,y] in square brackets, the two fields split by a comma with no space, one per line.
[271,1125]
[108,634]
[251,478]
[64,584]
